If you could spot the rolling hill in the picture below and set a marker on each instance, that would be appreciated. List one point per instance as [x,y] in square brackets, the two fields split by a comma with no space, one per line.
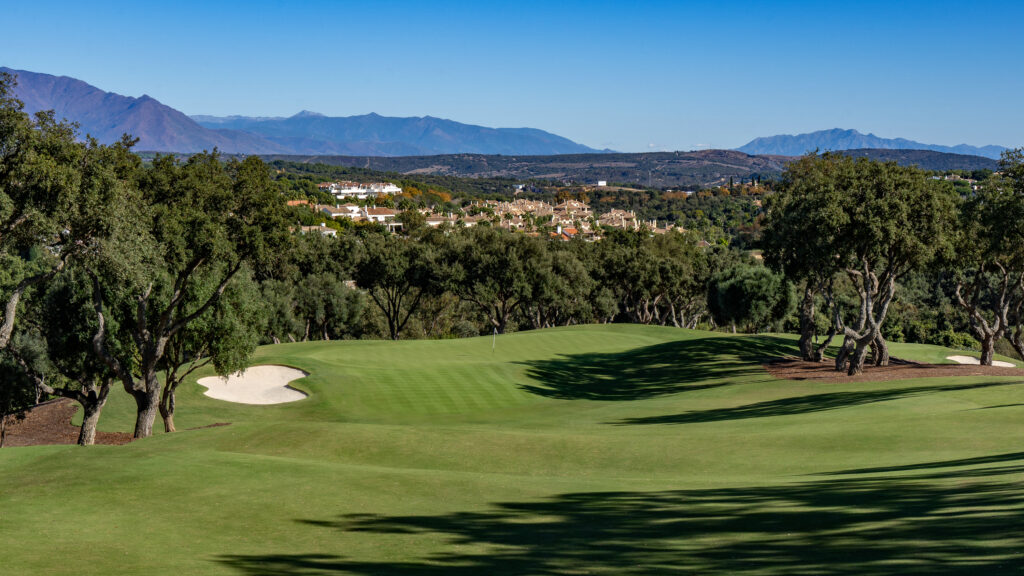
[927,159]
[657,169]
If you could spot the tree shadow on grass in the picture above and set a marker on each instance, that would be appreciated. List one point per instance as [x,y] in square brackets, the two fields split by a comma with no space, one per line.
[1000,406]
[840,527]
[804,404]
[655,370]
[993,459]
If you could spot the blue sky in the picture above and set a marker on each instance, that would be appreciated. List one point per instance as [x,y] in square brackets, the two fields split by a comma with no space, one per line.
[631,76]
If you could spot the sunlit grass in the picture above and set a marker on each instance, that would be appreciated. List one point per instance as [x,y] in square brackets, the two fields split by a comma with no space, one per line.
[597,449]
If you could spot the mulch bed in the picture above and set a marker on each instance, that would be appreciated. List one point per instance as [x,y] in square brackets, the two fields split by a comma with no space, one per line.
[796,369]
[50,423]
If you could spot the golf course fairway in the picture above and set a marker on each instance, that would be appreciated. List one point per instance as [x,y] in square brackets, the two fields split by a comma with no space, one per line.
[613,449]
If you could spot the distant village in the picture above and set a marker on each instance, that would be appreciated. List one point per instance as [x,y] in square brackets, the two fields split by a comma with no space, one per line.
[565,221]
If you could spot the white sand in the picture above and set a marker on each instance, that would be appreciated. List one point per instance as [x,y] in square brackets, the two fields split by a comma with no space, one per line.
[257,385]
[973,360]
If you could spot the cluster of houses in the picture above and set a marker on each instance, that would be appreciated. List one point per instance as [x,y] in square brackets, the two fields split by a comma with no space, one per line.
[565,221]
[356,213]
[571,218]
[955,178]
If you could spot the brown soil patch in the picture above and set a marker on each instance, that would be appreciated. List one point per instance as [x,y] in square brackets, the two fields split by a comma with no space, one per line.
[796,369]
[50,423]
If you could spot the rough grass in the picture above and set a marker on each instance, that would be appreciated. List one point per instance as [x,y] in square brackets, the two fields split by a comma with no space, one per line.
[588,450]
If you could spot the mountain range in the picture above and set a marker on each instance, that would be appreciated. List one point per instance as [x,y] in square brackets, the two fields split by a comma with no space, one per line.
[106,116]
[839,139]
[388,136]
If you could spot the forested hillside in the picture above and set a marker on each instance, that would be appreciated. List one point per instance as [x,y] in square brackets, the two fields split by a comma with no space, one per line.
[662,170]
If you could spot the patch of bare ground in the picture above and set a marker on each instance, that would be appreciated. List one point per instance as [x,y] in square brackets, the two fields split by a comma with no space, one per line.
[50,423]
[434,169]
[796,369]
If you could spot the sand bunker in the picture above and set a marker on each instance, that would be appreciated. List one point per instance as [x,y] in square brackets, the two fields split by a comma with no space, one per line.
[973,360]
[257,385]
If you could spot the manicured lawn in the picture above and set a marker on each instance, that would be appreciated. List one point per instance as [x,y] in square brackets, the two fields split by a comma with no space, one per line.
[586,450]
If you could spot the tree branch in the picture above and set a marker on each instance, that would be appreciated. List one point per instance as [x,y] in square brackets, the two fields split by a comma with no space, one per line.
[182,322]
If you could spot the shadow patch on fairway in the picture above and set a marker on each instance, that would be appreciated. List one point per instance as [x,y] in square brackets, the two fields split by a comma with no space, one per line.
[999,406]
[803,404]
[654,370]
[994,459]
[879,527]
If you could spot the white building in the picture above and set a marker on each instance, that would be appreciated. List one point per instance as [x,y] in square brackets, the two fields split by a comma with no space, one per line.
[385,216]
[342,190]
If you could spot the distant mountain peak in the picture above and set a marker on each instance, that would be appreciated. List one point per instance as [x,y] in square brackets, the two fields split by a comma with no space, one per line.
[303,114]
[106,116]
[849,139]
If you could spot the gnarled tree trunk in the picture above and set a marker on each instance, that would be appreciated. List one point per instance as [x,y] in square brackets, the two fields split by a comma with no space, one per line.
[988,351]
[91,417]
[810,349]
[876,293]
[1016,338]
[3,429]
[147,404]
[880,351]
[167,409]
[845,350]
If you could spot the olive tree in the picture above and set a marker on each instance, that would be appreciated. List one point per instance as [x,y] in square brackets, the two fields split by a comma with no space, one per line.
[58,198]
[67,326]
[899,220]
[62,200]
[200,224]
[748,295]
[989,260]
[804,219]
[498,272]
[225,337]
[1011,184]
[397,273]
[874,222]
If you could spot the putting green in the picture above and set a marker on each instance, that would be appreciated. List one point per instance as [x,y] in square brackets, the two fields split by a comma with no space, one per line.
[585,450]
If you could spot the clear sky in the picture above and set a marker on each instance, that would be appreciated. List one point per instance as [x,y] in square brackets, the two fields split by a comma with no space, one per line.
[631,76]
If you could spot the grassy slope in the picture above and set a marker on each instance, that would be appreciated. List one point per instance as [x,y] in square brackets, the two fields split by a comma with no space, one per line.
[600,449]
